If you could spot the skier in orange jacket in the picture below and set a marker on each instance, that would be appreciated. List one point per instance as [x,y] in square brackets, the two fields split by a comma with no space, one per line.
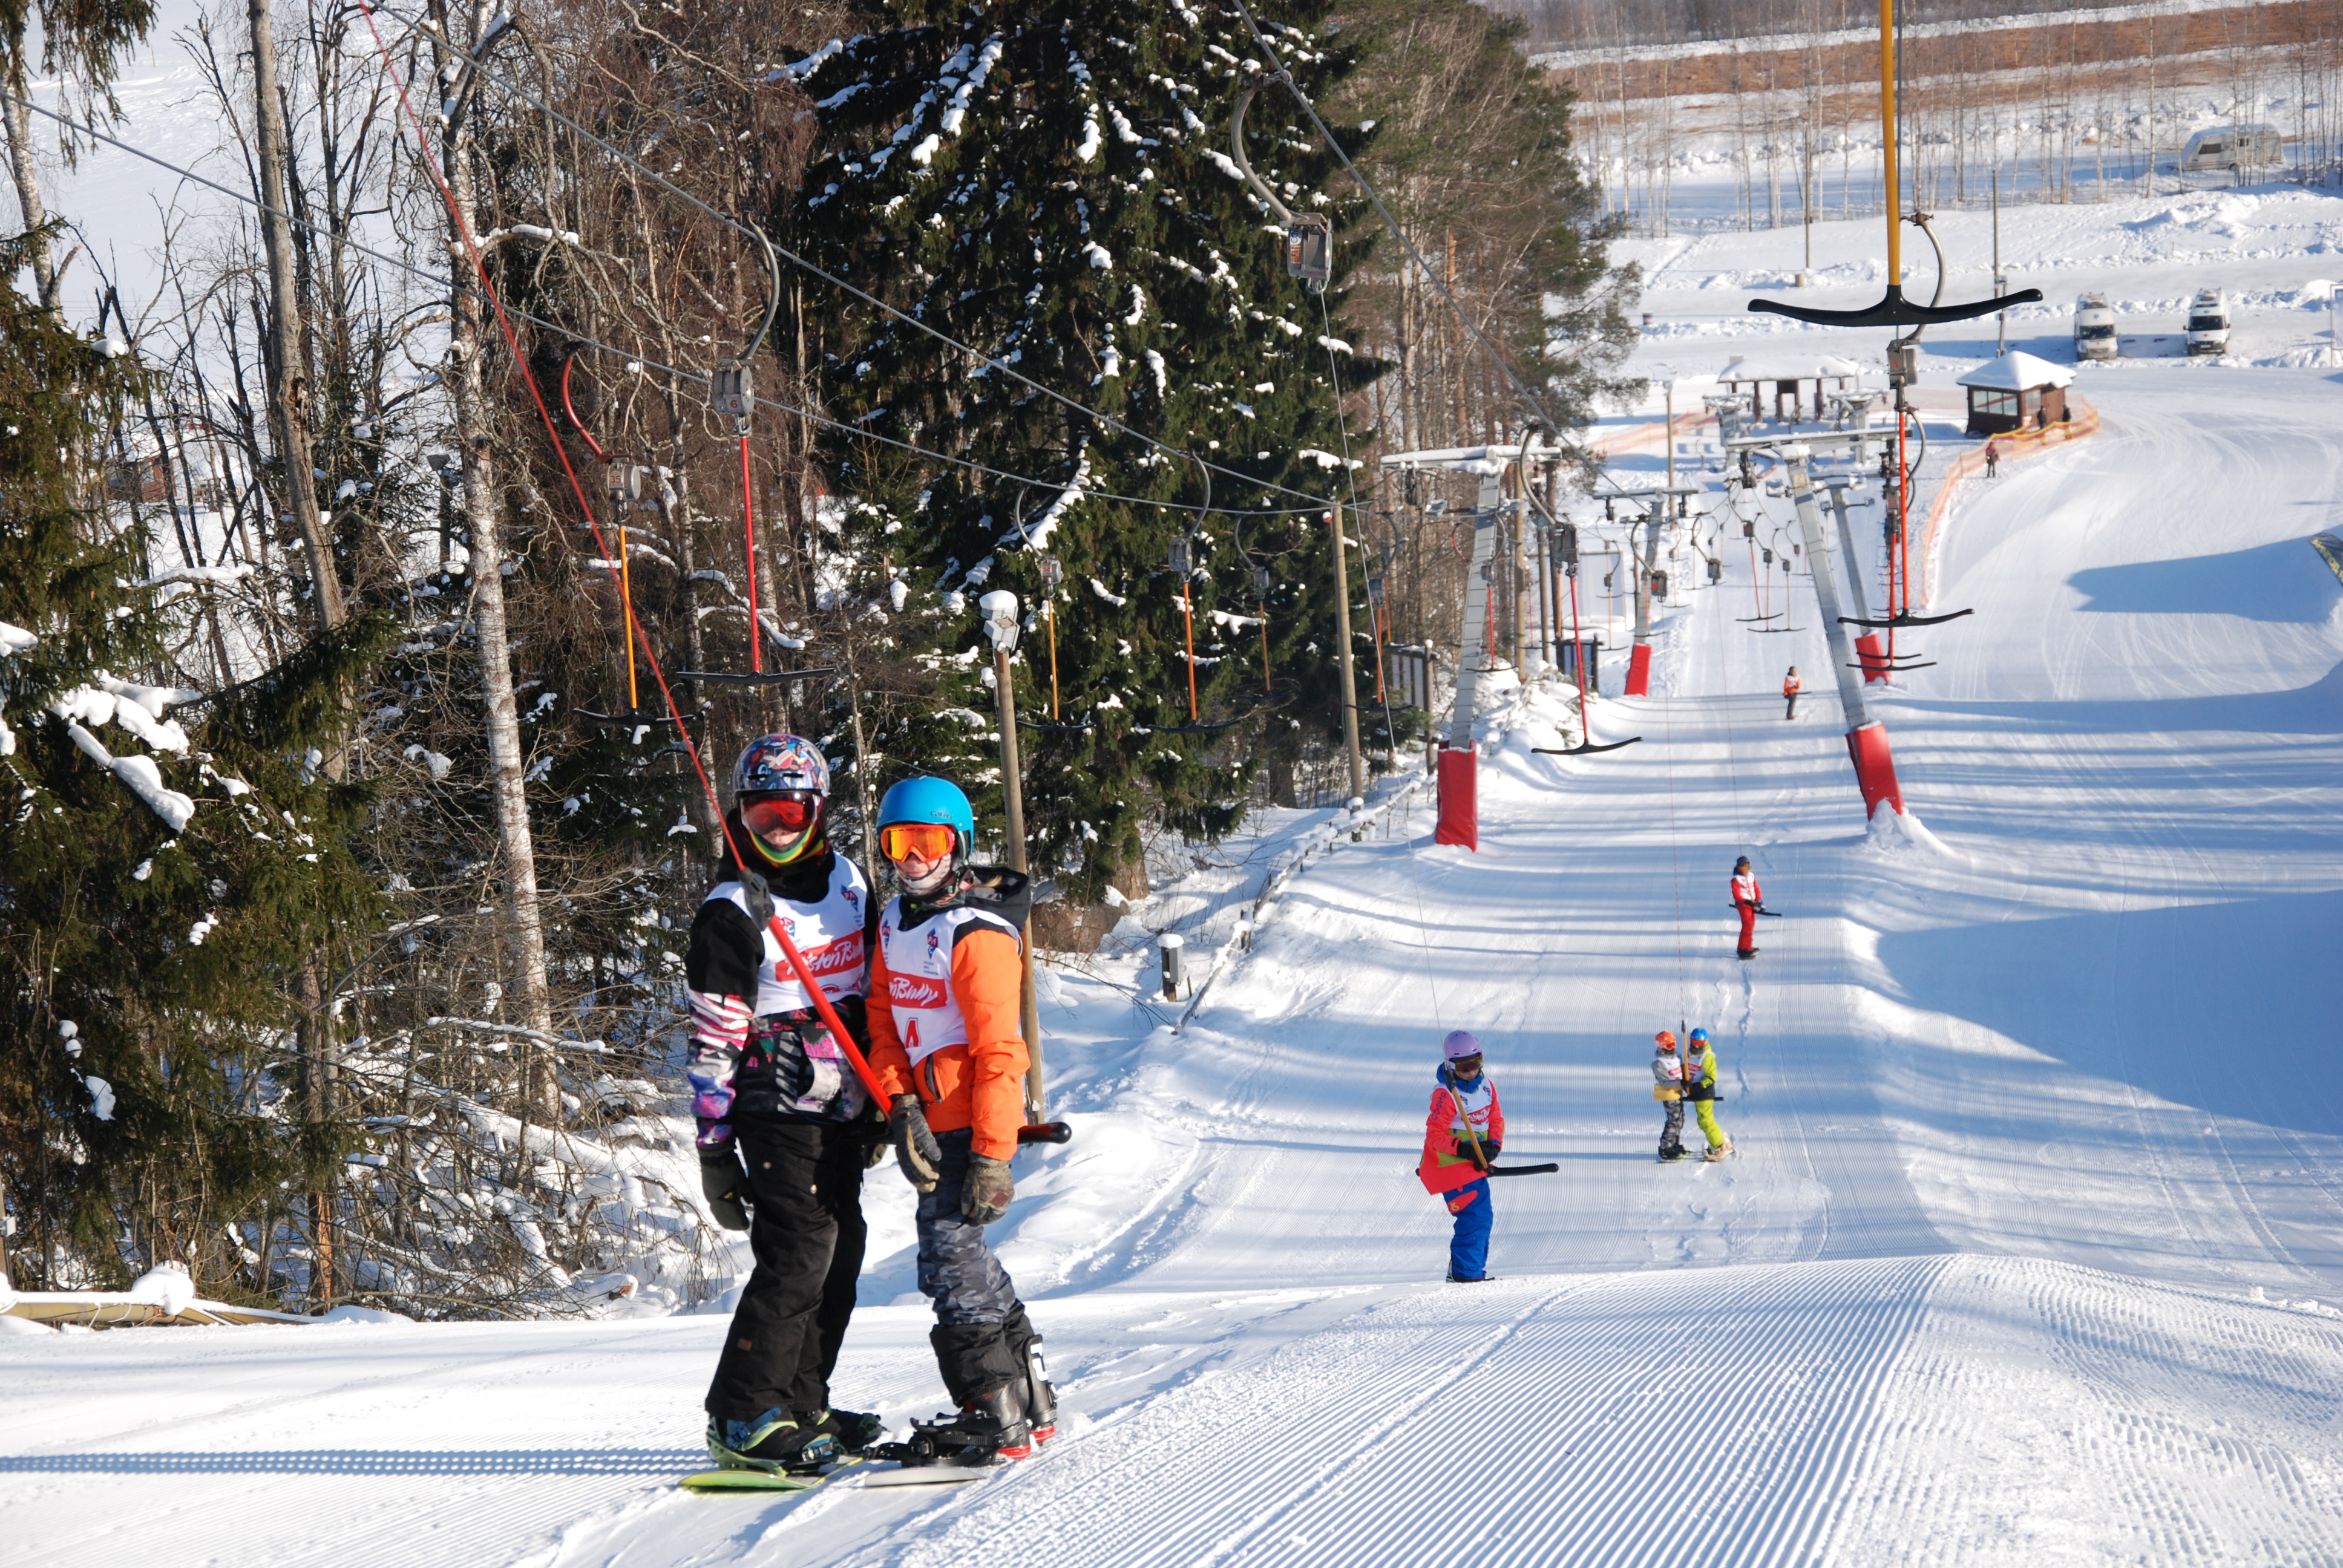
[1790,691]
[946,977]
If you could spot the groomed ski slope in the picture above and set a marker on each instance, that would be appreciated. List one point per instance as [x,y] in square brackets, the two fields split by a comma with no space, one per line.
[2031,1254]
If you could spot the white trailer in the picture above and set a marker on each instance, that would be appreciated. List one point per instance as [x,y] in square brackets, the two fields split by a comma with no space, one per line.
[2236,148]
[2209,322]
[2095,328]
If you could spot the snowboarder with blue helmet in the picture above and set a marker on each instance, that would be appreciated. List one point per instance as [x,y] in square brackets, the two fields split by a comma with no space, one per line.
[785,1129]
[1700,1087]
[1462,1135]
[948,975]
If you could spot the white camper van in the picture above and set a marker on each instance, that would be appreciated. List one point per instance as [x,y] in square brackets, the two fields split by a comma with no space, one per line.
[2236,148]
[2095,328]
[2209,322]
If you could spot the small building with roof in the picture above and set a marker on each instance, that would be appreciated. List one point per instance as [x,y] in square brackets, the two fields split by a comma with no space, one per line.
[2014,392]
[1785,377]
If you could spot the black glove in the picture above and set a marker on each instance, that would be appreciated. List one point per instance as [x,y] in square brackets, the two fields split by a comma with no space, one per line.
[1479,1156]
[987,1192]
[872,1131]
[917,1153]
[725,1186]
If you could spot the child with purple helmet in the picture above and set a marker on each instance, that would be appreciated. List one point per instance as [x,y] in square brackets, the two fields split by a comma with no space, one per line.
[1462,1137]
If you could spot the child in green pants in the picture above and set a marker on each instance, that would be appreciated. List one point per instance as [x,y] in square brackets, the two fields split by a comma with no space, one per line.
[1700,1087]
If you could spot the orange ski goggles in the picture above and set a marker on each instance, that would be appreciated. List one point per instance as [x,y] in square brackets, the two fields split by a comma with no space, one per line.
[918,840]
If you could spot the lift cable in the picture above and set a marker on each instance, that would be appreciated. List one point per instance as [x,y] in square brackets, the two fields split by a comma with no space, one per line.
[812,269]
[631,356]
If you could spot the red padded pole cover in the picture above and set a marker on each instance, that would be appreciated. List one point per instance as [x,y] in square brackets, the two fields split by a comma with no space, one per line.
[1639,671]
[1875,768]
[1460,803]
[1873,654]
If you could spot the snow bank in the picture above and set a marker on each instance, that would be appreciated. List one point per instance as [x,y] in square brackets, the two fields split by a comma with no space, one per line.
[369,1317]
[1894,833]
[167,1287]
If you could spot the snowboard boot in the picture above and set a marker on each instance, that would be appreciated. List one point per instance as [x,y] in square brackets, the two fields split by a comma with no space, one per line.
[1670,1156]
[771,1442]
[1745,954]
[990,1426]
[855,1430]
[1040,1396]
[1456,1278]
[1719,1152]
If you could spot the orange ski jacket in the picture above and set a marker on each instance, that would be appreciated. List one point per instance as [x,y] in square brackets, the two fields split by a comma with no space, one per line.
[977,1081]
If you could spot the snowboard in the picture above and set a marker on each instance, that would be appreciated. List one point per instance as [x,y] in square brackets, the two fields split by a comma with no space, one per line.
[865,1474]
[733,1479]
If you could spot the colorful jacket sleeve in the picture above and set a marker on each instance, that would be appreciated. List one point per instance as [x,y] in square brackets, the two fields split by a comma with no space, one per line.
[889,1064]
[720,976]
[987,979]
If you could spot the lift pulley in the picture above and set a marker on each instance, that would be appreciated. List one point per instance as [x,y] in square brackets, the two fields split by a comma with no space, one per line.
[1309,237]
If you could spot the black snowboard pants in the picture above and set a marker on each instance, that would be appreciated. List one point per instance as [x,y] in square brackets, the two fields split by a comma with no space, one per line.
[981,1332]
[1672,1131]
[807,1235]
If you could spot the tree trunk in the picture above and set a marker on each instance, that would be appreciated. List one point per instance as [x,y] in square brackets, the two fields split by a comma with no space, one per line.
[483,517]
[316,1091]
[288,385]
[26,174]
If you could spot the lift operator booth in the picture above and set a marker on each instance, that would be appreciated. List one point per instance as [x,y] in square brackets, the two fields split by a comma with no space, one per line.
[2015,392]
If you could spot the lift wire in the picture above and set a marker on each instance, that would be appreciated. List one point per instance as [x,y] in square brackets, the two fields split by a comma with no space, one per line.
[1106,420]
[586,340]
[1521,388]
[1390,729]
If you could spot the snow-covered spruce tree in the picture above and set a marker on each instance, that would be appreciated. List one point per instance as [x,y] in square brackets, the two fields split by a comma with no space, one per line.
[1046,180]
[176,888]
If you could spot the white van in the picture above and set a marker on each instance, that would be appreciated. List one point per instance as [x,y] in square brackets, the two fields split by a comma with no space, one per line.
[2233,147]
[2095,328]
[2209,322]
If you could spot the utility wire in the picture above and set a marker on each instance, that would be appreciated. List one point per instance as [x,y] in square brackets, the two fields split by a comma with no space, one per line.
[1107,420]
[631,356]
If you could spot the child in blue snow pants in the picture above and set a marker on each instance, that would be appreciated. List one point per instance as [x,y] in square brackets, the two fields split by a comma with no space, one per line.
[1468,1249]
[1461,1136]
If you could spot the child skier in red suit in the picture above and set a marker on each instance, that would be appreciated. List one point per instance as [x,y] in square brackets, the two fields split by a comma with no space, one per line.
[1462,1137]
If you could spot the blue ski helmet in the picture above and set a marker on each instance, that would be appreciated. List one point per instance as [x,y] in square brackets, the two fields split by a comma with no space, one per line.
[782,762]
[931,799]
[1699,1036]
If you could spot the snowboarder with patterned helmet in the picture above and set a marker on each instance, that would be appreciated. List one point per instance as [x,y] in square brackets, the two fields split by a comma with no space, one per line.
[785,1127]
[948,976]
[1700,1087]
[1668,1089]
[1463,1134]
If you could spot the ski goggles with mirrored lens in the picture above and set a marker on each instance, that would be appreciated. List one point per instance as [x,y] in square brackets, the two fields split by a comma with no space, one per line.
[916,841]
[771,816]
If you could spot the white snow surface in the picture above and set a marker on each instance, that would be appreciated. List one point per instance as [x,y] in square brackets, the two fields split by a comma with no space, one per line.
[2030,1250]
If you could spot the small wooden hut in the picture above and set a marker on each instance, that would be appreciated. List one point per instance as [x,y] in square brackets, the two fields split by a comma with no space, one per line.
[2014,392]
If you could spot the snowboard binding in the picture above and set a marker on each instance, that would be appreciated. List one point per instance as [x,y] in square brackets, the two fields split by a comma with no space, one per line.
[1006,1424]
